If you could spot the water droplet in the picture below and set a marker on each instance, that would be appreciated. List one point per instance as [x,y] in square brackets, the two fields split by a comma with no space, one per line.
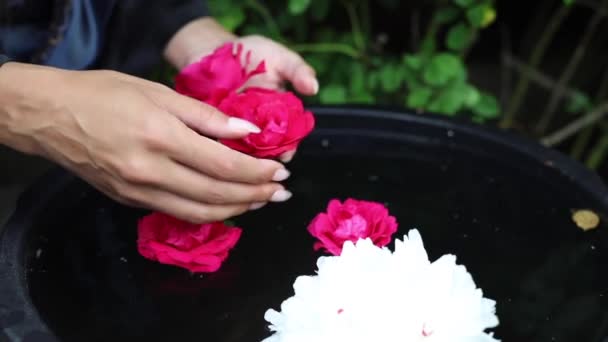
[38,253]
[123,259]
[450,133]
[373,178]
[325,143]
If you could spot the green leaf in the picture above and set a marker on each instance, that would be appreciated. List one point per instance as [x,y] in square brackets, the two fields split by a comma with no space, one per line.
[418,97]
[390,77]
[482,15]
[445,15]
[459,37]
[298,6]
[319,9]
[232,20]
[568,2]
[464,3]
[362,96]
[427,48]
[412,61]
[450,100]
[487,106]
[357,80]
[333,94]
[373,79]
[471,95]
[578,103]
[442,68]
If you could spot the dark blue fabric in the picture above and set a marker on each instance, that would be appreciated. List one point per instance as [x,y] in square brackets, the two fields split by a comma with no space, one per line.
[73,43]
[82,37]
[123,35]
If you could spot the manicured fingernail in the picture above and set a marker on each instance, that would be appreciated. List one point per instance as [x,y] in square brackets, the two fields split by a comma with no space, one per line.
[257,205]
[287,156]
[243,125]
[315,86]
[281,175]
[280,196]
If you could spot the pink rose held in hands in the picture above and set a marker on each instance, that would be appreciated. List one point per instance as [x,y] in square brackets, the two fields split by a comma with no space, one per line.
[351,221]
[195,247]
[216,75]
[280,116]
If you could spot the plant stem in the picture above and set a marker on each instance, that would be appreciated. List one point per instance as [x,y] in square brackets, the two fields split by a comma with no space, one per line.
[537,76]
[572,128]
[581,142]
[267,16]
[327,48]
[355,24]
[535,58]
[598,153]
[569,71]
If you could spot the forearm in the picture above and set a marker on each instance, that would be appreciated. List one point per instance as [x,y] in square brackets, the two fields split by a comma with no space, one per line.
[197,38]
[26,104]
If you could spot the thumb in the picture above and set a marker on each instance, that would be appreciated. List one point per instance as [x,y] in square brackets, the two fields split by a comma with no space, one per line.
[206,119]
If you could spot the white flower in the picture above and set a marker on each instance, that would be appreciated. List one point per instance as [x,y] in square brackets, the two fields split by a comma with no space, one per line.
[369,294]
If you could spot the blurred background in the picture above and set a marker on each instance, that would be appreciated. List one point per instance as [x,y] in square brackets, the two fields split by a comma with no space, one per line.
[537,67]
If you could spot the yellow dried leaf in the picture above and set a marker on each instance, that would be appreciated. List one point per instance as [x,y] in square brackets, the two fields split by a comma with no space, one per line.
[586,219]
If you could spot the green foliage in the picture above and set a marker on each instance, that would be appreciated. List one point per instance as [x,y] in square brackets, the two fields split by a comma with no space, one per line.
[578,103]
[459,37]
[442,68]
[298,6]
[354,67]
[228,13]
[333,94]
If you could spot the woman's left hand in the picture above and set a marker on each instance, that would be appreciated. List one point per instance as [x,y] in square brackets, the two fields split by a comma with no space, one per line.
[202,36]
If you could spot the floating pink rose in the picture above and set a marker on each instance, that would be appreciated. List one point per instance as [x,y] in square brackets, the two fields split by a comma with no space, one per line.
[280,116]
[351,221]
[196,247]
[216,75]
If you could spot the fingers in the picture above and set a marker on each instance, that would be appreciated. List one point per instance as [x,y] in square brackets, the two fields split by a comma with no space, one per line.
[220,162]
[195,186]
[294,69]
[185,209]
[204,118]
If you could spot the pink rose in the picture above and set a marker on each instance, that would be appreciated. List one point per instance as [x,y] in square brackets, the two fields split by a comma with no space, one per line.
[216,75]
[280,116]
[198,248]
[351,221]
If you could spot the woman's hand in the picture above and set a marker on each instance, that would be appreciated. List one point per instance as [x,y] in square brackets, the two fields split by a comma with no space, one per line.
[135,140]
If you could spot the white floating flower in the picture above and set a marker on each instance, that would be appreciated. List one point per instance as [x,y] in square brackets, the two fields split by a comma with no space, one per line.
[372,294]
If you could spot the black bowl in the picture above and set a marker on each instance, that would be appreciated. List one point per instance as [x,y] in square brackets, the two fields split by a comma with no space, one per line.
[70,270]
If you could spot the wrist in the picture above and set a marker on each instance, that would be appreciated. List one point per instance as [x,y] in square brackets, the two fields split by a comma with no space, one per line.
[27,103]
[196,39]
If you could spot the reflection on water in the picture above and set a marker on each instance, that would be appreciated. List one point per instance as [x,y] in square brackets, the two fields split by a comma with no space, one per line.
[509,224]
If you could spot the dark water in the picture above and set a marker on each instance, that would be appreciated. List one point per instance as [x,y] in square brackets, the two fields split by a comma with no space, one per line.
[508,222]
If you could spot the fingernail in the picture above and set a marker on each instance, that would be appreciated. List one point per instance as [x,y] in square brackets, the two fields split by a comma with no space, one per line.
[315,86]
[243,125]
[257,205]
[280,196]
[281,175]
[287,156]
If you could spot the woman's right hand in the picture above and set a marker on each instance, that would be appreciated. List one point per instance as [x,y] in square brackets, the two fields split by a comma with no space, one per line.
[137,141]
